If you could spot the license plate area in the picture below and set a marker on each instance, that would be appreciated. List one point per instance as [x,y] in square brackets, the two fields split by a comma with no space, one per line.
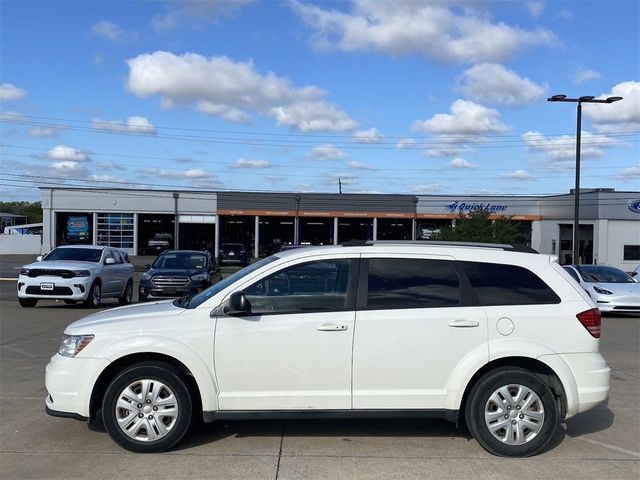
[169,290]
[47,286]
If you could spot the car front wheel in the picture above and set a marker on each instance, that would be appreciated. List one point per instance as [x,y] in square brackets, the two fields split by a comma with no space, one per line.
[147,408]
[511,412]
[127,295]
[95,296]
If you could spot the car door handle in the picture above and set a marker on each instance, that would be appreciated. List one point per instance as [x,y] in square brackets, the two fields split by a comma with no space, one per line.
[464,323]
[332,327]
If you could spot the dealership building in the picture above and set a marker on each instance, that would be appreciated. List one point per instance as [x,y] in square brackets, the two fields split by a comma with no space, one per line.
[143,221]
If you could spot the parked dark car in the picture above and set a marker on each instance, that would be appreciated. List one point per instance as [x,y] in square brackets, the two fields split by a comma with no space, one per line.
[178,272]
[233,254]
[159,243]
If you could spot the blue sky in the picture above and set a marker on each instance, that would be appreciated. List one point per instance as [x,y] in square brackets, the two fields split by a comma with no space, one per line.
[391,97]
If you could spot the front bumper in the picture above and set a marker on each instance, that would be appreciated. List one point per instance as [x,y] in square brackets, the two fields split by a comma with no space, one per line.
[149,290]
[76,288]
[618,303]
[69,383]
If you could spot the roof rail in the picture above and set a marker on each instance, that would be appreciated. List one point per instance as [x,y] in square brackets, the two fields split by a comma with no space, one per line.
[501,246]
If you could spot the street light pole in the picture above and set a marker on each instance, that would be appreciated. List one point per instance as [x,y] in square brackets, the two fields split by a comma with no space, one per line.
[576,205]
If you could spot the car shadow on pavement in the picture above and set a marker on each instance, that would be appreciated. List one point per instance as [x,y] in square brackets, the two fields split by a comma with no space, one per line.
[592,421]
[202,434]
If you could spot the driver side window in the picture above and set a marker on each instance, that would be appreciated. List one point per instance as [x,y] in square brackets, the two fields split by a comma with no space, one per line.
[319,286]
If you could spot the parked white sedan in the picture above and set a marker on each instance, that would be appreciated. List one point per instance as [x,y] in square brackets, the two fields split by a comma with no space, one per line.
[79,273]
[611,288]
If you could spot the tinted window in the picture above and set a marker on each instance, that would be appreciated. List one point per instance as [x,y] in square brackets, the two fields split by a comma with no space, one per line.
[117,256]
[598,274]
[77,254]
[497,284]
[631,252]
[230,280]
[411,283]
[319,286]
[573,273]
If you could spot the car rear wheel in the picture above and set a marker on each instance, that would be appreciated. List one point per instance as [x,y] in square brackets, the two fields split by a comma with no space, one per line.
[95,296]
[27,302]
[127,295]
[147,408]
[511,412]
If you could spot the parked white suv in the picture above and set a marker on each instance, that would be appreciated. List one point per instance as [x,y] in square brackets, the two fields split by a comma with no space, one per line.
[503,339]
[78,273]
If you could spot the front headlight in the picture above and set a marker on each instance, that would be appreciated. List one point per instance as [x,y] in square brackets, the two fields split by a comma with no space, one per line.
[145,276]
[72,345]
[199,277]
[25,271]
[81,273]
[602,291]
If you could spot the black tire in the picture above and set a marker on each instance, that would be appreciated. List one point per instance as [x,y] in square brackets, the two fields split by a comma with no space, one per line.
[479,399]
[127,295]
[95,295]
[27,302]
[155,371]
[142,297]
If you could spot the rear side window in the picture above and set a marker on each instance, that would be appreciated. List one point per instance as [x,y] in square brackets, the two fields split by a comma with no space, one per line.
[497,284]
[396,283]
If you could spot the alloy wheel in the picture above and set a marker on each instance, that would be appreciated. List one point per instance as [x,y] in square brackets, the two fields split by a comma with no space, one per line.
[514,414]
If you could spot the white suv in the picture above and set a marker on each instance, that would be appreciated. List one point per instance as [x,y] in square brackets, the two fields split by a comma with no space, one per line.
[502,339]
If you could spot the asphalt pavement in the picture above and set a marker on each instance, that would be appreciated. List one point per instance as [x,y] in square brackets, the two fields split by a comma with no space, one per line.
[601,444]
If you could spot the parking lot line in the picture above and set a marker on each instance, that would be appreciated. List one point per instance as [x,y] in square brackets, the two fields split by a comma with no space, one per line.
[9,279]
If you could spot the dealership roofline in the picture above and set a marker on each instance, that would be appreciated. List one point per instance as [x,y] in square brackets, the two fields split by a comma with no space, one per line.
[416,195]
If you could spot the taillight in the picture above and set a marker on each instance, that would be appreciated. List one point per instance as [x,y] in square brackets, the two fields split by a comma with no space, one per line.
[591,320]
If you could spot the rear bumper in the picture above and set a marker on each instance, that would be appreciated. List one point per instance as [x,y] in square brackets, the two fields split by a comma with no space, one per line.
[585,378]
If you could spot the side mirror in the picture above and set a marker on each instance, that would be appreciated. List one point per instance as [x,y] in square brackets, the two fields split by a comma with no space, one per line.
[238,305]
[147,266]
[110,261]
[39,258]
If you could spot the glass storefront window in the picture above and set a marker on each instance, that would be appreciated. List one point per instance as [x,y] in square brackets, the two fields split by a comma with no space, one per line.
[115,230]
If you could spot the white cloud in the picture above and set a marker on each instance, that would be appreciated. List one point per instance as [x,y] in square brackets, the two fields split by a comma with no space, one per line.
[195,12]
[9,91]
[371,135]
[109,165]
[136,125]
[344,178]
[517,175]
[192,174]
[108,178]
[560,151]
[43,132]
[66,154]
[460,163]
[406,143]
[232,90]
[492,83]
[621,116]
[246,163]
[582,76]
[427,188]
[108,30]
[356,165]
[68,168]
[631,173]
[467,120]
[327,152]
[467,123]
[535,8]
[431,29]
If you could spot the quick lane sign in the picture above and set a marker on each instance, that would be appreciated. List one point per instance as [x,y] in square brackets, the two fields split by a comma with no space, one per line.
[462,207]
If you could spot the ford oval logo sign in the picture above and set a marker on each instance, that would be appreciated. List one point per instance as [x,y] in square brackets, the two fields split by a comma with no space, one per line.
[634,205]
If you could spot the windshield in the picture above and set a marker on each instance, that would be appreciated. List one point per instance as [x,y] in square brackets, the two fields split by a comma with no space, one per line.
[75,254]
[222,284]
[181,261]
[593,274]
[232,247]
